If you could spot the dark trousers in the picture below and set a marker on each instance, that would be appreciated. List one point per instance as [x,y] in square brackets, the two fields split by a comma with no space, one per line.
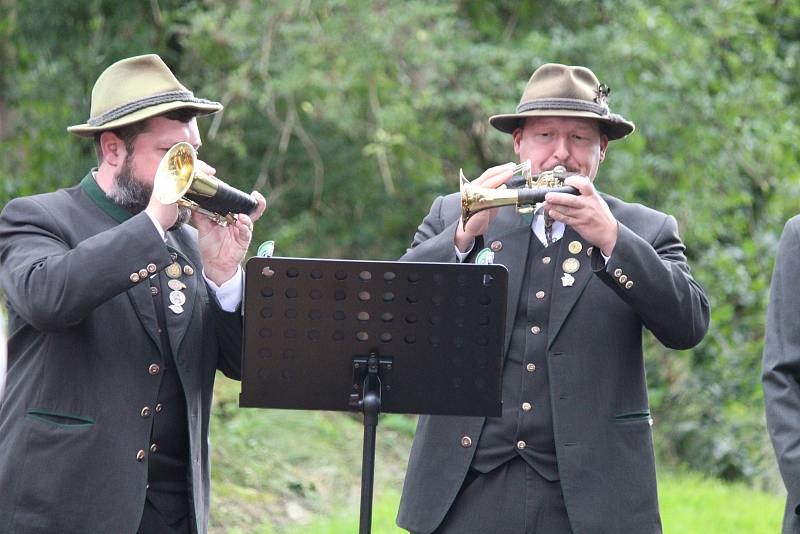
[153,523]
[512,499]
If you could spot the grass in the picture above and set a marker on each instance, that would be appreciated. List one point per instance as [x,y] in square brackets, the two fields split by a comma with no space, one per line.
[298,472]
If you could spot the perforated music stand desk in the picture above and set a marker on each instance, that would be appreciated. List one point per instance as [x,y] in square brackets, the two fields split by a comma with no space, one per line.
[372,336]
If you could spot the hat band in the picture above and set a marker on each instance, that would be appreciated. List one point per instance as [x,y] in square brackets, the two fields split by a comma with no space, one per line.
[562,104]
[154,100]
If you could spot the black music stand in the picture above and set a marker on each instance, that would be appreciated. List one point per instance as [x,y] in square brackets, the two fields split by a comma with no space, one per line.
[372,336]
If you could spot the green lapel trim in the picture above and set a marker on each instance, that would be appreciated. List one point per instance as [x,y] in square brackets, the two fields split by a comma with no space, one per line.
[89,185]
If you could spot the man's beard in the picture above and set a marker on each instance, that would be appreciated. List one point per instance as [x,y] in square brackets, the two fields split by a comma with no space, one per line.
[133,195]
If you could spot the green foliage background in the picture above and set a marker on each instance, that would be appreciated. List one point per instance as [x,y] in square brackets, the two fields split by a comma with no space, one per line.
[352,115]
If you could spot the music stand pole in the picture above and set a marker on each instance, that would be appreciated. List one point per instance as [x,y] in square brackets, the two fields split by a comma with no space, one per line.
[371,407]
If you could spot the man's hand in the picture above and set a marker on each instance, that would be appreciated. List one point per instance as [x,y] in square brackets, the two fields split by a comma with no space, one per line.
[223,247]
[587,213]
[493,178]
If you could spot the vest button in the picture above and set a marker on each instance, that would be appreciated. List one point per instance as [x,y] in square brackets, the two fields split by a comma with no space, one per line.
[140,455]
[145,411]
[466,442]
[521,444]
[526,407]
[535,330]
[531,367]
[153,369]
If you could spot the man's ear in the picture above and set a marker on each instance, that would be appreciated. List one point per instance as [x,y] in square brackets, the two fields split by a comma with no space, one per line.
[516,135]
[114,151]
[603,147]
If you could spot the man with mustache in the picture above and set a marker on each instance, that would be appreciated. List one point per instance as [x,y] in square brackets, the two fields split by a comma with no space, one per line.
[119,317]
[572,451]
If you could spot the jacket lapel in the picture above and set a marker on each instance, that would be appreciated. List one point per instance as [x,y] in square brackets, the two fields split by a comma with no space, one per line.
[178,319]
[143,305]
[515,240]
[565,295]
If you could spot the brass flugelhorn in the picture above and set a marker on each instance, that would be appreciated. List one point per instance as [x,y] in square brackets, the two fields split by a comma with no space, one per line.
[534,188]
[178,180]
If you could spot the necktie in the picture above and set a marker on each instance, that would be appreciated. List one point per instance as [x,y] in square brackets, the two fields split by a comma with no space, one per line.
[548,229]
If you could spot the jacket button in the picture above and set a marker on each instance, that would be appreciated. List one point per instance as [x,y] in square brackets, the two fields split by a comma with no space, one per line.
[617,272]
[142,274]
[466,442]
[134,277]
[496,246]
[153,369]
[531,367]
[140,455]
[540,295]
[151,267]
[629,284]
[623,279]
[546,260]
[154,290]
[521,444]
[153,448]
[159,407]
[145,411]
[526,407]
[535,330]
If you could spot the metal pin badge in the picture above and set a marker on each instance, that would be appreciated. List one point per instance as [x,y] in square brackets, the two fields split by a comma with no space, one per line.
[173,270]
[484,257]
[571,265]
[177,298]
[176,285]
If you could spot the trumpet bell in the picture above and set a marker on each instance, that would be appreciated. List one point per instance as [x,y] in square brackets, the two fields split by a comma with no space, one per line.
[178,180]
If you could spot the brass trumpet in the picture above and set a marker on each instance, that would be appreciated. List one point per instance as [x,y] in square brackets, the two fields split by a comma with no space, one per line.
[535,187]
[179,181]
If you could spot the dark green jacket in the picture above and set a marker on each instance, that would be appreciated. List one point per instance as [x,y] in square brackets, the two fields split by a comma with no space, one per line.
[601,416]
[82,339]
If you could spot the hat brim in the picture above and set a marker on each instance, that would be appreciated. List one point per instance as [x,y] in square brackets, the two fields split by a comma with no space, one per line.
[613,125]
[86,130]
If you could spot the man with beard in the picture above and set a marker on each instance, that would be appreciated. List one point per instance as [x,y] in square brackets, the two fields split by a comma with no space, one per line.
[572,451]
[119,316]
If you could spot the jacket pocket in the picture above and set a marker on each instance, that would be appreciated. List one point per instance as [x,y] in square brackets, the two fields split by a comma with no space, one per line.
[59,419]
[633,417]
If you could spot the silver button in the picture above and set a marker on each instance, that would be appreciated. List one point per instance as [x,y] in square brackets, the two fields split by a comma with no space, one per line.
[145,411]
[540,295]
[466,442]
[521,444]
[140,455]
[617,272]
[531,367]
[546,260]
[535,330]
[526,407]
